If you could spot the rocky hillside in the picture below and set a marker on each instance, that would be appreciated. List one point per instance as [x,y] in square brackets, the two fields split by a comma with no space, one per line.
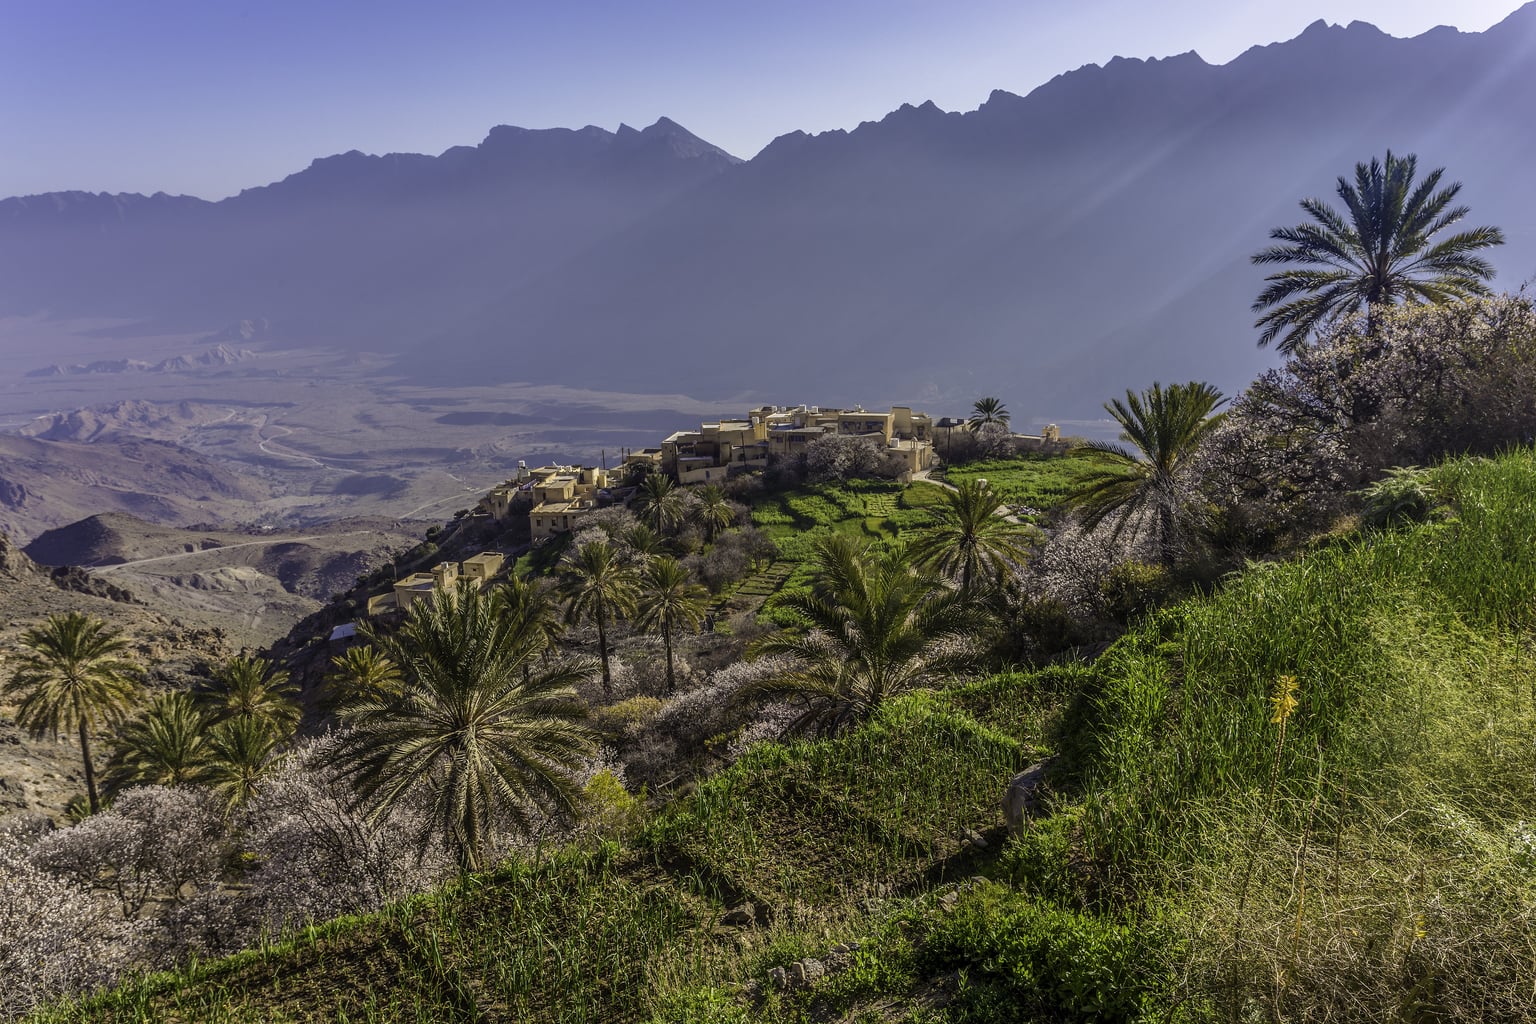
[39,776]
[257,585]
[49,483]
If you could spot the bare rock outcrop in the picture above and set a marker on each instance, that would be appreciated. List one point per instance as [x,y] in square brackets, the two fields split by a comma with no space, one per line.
[1022,797]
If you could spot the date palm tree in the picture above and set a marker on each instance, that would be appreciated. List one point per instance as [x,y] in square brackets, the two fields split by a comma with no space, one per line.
[878,627]
[668,600]
[988,410]
[358,671]
[1381,250]
[1141,487]
[531,609]
[973,537]
[164,745]
[599,587]
[240,753]
[72,674]
[643,541]
[470,732]
[247,687]
[659,503]
[713,511]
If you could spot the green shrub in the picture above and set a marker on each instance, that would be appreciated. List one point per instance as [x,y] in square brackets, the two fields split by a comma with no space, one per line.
[608,808]
[1404,495]
[1133,588]
[633,711]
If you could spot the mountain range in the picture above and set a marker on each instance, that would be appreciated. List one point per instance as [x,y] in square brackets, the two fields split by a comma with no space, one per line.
[1052,248]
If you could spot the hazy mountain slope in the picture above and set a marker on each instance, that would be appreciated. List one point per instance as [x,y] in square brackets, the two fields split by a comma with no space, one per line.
[355,248]
[1090,236]
[314,563]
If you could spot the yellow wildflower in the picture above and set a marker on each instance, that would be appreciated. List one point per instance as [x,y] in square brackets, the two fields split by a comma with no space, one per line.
[1284,699]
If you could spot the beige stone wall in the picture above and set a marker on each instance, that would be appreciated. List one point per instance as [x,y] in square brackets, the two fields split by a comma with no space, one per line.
[482,566]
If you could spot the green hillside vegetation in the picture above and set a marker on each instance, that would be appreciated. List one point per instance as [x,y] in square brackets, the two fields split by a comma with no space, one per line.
[1042,482]
[875,511]
[1304,796]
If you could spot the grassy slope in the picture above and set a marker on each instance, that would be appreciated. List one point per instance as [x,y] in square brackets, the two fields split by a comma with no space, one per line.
[875,511]
[1040,481]
[1376,864]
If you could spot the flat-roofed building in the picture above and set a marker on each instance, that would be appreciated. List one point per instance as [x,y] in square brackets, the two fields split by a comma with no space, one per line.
[562,495]
[476,570]
[482,567]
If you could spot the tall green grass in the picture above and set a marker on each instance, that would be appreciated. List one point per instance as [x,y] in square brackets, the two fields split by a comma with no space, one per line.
[1376,854]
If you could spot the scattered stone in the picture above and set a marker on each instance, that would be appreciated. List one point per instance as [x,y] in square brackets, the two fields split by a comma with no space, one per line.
[778,978]
[948,901]
[970,837]
[740,917]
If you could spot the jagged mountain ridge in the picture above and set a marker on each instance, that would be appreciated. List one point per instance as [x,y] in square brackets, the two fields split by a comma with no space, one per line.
[1054,247]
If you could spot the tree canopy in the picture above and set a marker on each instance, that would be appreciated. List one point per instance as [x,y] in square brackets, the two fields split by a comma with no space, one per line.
[1386,247]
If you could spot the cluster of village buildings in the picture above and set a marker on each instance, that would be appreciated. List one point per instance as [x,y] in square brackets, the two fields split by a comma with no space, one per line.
[557,497]
[418,586]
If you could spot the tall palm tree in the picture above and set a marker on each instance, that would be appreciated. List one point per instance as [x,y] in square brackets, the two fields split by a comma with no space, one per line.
[72,675]
[599,587]
[988,410]
[246,687]
[1381,250]
[484,742]
[530,608]
[164,745]
[669,599]
[359,671]
[1141,486]
[713,511]
[973,537]
[240,753]
[878,627]
[659,503]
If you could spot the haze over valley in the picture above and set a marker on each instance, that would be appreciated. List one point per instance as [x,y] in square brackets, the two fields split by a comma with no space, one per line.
[916,258]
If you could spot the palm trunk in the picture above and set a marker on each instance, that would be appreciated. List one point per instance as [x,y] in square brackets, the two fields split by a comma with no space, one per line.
[1165,530]
[90,772]
[602,648]
[666,640]
[1363,407]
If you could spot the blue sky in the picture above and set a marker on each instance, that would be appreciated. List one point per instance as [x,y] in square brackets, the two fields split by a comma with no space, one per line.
[210,96]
